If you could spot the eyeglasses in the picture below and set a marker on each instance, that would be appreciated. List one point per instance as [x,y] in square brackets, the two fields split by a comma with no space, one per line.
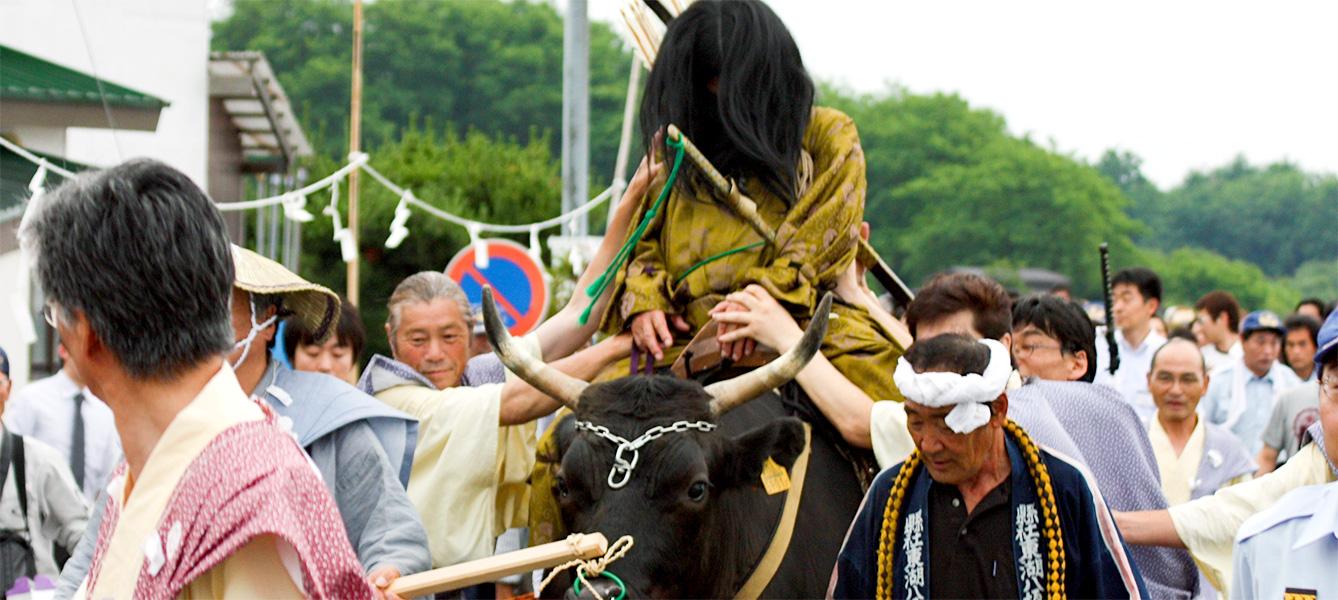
[1026,350]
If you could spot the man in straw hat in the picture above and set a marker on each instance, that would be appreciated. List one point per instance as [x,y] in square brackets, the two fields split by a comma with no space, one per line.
[215,499]
[978,510]
[362,447]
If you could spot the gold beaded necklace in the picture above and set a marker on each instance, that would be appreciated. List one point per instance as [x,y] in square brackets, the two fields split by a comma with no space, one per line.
[1051,529]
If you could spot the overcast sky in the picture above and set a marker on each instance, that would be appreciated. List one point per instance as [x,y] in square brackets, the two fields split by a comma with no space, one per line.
[1183,84]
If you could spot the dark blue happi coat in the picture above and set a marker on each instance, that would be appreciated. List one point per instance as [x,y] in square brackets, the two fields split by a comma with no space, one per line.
[1098,563]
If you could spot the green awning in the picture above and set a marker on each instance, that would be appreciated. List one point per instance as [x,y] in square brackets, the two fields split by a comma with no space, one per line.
[27,77]
[15,174]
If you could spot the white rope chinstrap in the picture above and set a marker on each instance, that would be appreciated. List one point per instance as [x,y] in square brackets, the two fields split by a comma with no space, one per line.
[592,568]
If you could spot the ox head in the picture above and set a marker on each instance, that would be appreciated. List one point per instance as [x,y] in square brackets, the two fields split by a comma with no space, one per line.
[641,456]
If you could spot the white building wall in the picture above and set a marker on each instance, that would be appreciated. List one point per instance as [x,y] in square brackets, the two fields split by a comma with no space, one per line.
[9,331]
[159,47]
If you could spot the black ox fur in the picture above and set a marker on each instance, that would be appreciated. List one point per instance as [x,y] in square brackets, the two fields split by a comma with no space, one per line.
[689,547]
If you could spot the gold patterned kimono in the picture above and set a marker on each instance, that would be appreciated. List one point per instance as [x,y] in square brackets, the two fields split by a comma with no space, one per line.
[677,268]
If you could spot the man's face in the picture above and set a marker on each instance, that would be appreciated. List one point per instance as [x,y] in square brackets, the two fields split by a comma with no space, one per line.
[1132,310]
[1261,351]
[1177,381]
[951,458]
[1299,347]
[1328,408]
[433,338]
[330,358]
[1213,330]
[1040,355]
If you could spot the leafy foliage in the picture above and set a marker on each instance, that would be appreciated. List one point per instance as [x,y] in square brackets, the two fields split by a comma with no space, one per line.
[486,65]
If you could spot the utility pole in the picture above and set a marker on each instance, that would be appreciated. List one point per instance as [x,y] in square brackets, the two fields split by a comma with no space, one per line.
[354,145]
[576,113]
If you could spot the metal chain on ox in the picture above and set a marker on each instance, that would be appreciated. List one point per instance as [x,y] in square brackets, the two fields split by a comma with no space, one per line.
[628,453]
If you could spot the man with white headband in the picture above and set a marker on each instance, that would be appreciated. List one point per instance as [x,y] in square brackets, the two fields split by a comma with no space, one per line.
[978,499]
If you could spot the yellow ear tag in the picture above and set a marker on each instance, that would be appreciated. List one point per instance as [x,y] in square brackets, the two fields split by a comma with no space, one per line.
[775,479]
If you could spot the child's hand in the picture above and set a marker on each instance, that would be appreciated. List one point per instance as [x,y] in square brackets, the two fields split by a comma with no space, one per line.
[650,331]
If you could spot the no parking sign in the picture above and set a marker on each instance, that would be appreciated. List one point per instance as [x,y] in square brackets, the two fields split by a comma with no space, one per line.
[517,283]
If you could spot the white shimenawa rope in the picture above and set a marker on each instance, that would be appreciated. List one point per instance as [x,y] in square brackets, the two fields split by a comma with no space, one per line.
[968,394]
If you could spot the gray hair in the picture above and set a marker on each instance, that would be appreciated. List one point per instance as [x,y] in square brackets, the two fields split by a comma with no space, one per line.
[143,254]
[426,286]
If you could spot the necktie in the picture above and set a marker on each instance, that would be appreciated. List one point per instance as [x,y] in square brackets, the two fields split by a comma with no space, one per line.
[77,441]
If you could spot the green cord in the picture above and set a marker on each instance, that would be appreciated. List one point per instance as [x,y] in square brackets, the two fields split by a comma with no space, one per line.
[622,587]
[596,289]
[712,259]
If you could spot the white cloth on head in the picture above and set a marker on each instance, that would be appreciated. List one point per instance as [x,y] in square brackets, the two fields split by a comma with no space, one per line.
[968,394]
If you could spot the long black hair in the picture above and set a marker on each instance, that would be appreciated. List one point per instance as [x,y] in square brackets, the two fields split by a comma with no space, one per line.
[753,124]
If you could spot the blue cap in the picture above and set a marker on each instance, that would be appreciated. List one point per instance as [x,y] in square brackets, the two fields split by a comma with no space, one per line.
[4,362]
[1328,339]
[1262,320]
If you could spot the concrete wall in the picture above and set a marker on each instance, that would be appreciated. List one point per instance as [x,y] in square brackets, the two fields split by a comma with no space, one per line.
[159,47]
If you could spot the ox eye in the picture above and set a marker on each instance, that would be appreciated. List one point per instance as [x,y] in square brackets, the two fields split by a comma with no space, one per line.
[697,491]
[560,487]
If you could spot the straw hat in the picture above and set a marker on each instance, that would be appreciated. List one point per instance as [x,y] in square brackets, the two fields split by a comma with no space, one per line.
[315,305]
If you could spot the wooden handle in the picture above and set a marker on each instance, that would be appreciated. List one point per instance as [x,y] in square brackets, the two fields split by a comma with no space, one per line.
[579,546]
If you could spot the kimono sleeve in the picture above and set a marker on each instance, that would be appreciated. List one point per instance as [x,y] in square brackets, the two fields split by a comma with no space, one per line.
[818,239]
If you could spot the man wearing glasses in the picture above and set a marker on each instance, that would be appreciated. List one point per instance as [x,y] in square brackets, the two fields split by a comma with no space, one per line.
[1207,526]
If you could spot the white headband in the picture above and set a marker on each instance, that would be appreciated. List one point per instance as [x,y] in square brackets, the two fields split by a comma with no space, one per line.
[968,393]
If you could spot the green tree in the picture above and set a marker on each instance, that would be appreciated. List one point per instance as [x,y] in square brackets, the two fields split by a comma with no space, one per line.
[470,175]
[1189,273]
[1277,216]
[486,65]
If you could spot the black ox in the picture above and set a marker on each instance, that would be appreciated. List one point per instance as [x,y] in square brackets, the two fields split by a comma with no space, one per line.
[692,498]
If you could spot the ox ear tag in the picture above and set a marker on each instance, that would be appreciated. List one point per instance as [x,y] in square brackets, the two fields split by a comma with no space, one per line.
[775,479]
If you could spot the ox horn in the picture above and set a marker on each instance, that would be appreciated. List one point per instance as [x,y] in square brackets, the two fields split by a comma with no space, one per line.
[729,394]
[562,387]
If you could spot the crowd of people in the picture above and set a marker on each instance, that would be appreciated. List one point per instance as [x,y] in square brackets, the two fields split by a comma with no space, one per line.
[215,429]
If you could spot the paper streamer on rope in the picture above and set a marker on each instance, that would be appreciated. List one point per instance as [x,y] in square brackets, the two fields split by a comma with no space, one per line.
[398,230]
[480,248]
[535,251]
[19,301]
[294,207]
[347,248]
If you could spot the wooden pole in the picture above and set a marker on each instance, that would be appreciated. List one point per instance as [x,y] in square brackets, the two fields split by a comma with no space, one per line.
[354,145]
[483,570]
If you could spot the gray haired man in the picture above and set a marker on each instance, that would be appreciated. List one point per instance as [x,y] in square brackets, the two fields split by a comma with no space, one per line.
[215,498]
[465,499]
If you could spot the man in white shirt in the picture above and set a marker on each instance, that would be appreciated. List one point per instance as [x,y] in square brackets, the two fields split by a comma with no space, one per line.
[1218,317]
[1136,297]
[60,412]
[1243,392]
